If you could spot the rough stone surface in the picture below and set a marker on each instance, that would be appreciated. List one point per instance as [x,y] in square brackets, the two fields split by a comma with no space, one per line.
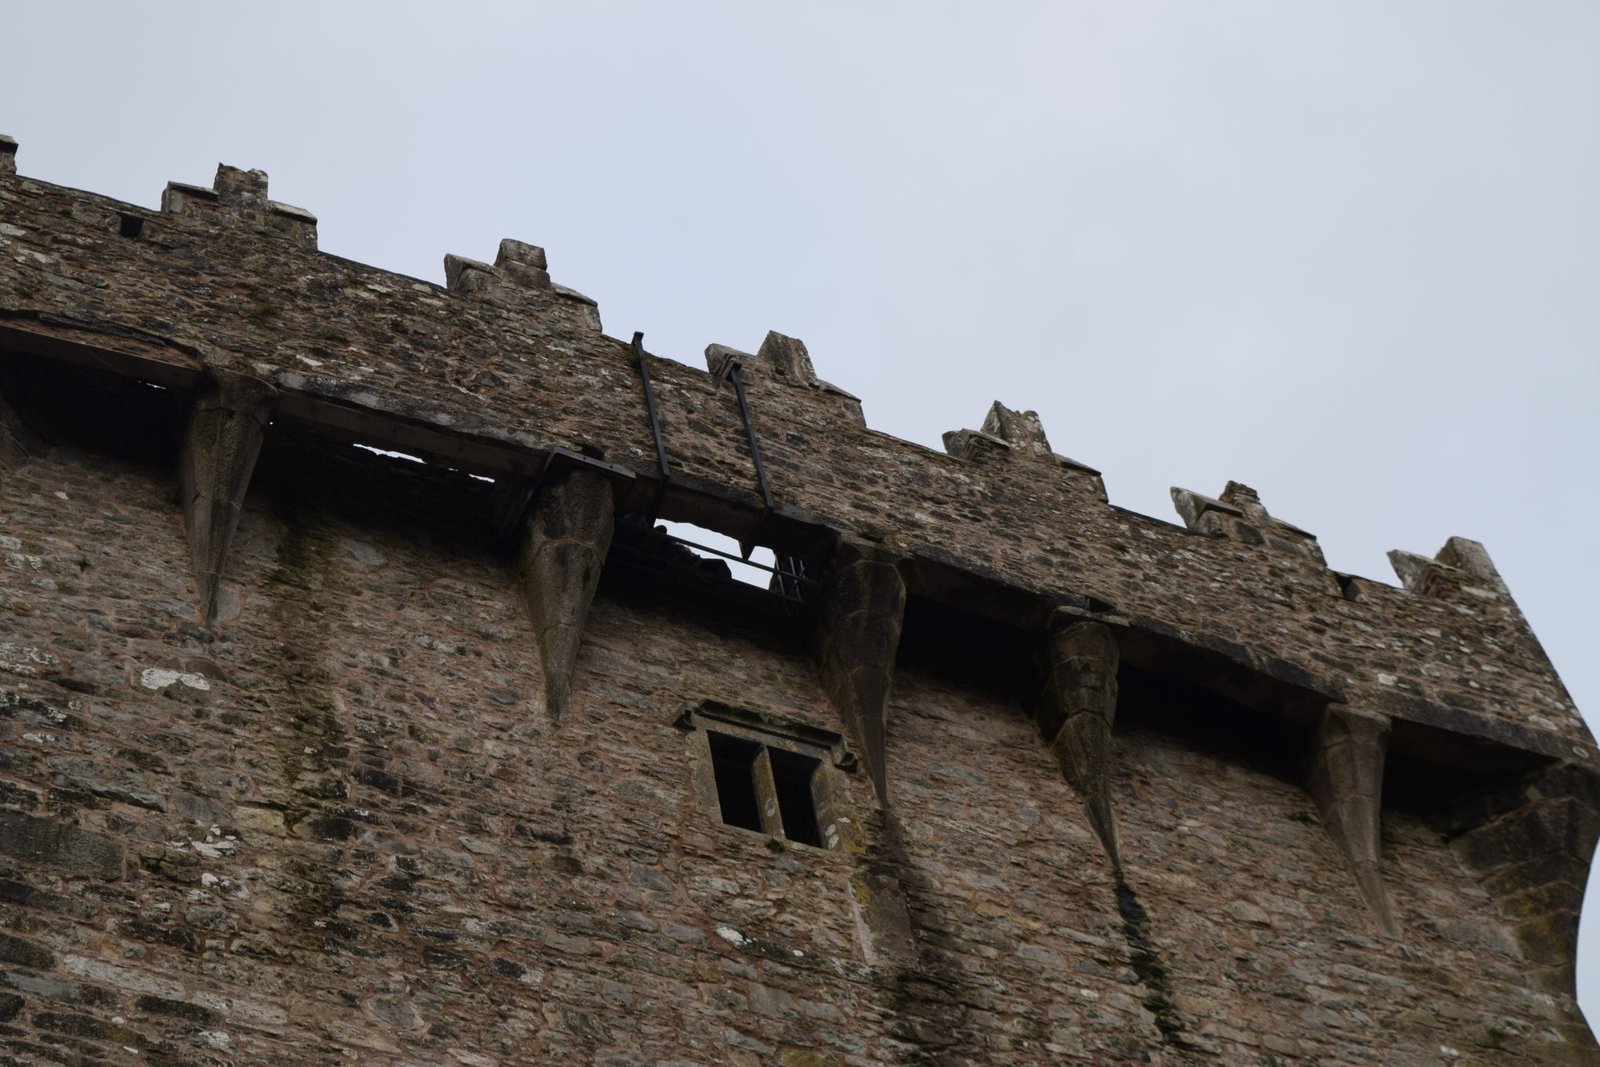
[857,637]
[558,567]
[1346,781]
[1076,717]
[226,426]
[332,819]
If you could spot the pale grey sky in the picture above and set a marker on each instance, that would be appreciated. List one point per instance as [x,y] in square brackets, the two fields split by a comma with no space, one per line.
[1348,253]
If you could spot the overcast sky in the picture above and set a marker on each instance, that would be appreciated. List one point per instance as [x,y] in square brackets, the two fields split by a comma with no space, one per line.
[1347,253]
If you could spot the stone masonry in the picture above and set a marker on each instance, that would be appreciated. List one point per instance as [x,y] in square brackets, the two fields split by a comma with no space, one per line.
[311,754]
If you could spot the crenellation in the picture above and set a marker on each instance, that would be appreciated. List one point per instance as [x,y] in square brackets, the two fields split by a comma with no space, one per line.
[1009,433]
[788,357]
[518,266]
[1412,570]
[463,275]
[1239,513]
[975,446]
[783,363]
[239,196]
[1460,571]
[523,263]
[719,358]
[244,190]
[1470,557]
[1019,429]
[520,272]
[1239,516]
[1203,514]
[417,782]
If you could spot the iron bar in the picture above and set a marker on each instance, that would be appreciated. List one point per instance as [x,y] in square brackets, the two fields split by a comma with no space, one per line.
[735,374]
[698,547]
[750,434]
[655,422]
[778,600]
[791,571]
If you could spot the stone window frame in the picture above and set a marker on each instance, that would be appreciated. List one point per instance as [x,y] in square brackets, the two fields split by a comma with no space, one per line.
[829,788]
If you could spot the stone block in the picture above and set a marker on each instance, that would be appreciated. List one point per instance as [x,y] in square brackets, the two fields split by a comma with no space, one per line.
[1021,430]
[787,356]
[858,633]
[59,844]
[25,953]
[558,567]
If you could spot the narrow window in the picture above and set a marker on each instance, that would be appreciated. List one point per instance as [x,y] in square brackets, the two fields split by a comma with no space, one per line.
[775,777]
[733,761]
[791,781]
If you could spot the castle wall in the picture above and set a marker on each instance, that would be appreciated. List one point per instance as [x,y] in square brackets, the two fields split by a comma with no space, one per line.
[341,826]
[507,362]
[310,754]
[344,826]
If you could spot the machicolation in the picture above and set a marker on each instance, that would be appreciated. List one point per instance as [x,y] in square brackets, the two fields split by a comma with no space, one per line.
[313,754]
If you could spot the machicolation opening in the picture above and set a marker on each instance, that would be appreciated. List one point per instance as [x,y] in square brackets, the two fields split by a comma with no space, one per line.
[358,702]
[1207,721]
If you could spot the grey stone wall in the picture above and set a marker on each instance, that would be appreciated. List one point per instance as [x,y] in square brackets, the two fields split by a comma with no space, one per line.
[310,754]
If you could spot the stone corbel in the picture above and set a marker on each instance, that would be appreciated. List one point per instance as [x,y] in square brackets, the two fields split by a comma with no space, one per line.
[858,636]
[1346,781]
[221,441]
[1075,715]
[1530,841]
[562,552]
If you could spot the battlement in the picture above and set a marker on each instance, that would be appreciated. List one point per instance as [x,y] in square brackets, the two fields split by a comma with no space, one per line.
[452,374]
[239,198]
[999,552]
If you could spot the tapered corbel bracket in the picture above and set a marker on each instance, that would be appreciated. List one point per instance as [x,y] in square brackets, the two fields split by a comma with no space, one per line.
[562,552]
[1346,781]
[221,441]
[1075,714]
[858,635]
[1530,840]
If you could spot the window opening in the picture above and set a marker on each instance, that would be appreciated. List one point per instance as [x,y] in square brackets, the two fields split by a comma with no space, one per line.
[733,762]
[777,778]
[757,570]
[709,559]
[791,779]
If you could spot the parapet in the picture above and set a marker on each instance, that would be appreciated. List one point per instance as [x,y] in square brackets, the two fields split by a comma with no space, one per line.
[520,274]
[970,633]
[783,359]
[1019,434]
[1461,568]
[1238,515]
[502,366]
[239,198]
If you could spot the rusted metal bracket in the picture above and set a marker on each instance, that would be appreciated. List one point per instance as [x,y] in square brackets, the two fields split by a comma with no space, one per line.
[655,425]
[735,373]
